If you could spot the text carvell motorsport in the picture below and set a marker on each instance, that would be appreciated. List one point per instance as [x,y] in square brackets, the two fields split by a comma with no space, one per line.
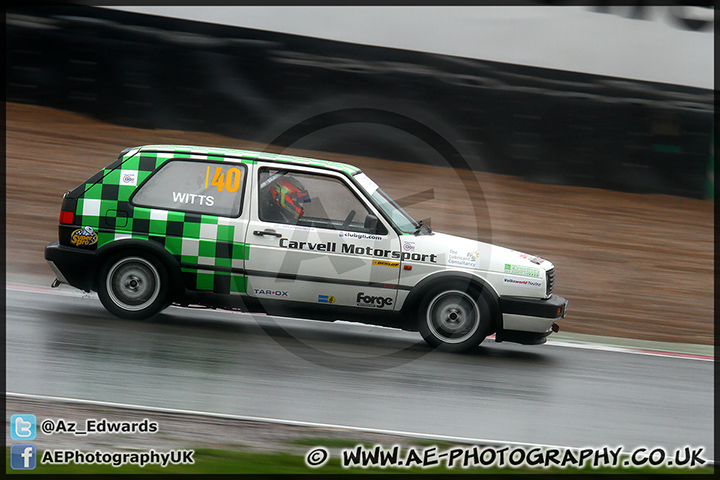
[349,248]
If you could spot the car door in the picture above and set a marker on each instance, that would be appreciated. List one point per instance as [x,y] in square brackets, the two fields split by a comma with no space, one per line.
[313,238]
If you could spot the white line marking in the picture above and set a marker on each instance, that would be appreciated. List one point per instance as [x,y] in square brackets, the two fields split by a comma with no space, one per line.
[62,290]
[72,292]
[633,350]
[299,423]
[467,440]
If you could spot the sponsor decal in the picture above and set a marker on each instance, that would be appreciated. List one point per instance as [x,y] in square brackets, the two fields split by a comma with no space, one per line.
[522,283]
[386,263]
[521,270]
[366,183]
[351,249]
[128,177]
[83,237]
[531,258]
[326,299]
[462,259]
[408,246]
[193,199]
[359,236]
[373,301]
[294,227]
[379,252]
[315,246]
[270,293]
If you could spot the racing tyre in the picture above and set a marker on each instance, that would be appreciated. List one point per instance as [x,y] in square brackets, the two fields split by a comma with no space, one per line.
[133,286]
[454,317]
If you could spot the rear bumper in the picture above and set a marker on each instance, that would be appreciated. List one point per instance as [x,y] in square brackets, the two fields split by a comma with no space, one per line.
[71,265]
[529,321]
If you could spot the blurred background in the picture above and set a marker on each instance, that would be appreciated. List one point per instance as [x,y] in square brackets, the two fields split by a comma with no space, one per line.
[588,130]
[581,134]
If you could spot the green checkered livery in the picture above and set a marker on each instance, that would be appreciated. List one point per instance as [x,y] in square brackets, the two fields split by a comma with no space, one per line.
[210,255]
[210,252]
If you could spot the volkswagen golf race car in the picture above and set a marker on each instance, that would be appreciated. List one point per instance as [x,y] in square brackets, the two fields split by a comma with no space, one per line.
[285,235]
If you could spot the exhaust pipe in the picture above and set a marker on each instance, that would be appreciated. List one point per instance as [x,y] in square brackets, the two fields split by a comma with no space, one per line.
[555,327]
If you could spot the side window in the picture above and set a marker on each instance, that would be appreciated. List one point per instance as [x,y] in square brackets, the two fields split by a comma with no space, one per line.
[313,201]
[209,188]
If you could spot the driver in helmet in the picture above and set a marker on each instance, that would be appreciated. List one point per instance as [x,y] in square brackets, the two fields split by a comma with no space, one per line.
[284,196]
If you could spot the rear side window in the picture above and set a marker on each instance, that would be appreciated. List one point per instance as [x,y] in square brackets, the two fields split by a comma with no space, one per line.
[209,188]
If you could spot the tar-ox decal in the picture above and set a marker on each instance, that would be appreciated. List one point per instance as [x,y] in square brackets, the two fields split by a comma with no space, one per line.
[270,293]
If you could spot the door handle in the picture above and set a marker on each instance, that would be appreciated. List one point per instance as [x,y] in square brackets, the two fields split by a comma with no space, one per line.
[267,232]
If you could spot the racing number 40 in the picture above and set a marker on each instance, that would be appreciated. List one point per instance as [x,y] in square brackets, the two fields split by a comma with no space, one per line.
[229,180]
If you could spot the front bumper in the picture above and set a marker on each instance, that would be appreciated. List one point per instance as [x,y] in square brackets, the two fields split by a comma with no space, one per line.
[528,320]
[71,265]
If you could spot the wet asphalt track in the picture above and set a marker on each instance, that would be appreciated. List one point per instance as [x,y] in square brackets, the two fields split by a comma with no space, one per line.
[354,375]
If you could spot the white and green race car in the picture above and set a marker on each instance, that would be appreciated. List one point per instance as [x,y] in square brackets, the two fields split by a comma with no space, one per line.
[284,235]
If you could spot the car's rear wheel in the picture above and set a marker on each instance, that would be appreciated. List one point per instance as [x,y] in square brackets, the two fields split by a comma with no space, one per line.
[133,286]
[454,317]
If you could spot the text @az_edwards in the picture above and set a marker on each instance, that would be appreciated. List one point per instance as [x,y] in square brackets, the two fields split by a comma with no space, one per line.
[514,457]
[97,426]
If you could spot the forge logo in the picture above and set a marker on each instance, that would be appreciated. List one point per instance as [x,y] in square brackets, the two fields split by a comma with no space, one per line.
[373,301]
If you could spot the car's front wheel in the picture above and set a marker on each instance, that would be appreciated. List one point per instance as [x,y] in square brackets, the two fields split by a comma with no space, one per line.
[133,286]
[454,317]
